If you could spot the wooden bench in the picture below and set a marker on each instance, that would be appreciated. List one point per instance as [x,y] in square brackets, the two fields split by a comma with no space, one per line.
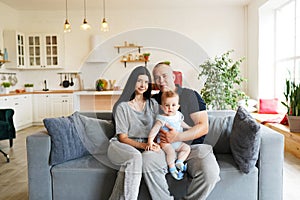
[292,140]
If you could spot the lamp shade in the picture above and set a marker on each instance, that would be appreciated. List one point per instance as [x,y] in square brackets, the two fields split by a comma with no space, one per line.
[104,25]
[67,26]
[85,26]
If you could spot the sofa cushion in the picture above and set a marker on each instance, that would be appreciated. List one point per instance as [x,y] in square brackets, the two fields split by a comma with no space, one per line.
[219,132]
[82,178]
[65,142]
[234,184]
[245,140]
[77,135]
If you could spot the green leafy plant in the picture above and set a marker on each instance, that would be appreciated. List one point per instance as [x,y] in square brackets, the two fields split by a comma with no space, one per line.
[146,54]
[222,88]
[6,84]
[292,98]
[28,85]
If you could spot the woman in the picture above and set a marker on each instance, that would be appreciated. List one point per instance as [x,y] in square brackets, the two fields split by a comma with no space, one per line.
[134,114]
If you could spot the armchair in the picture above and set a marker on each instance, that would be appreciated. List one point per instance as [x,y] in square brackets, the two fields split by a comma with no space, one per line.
[7,128]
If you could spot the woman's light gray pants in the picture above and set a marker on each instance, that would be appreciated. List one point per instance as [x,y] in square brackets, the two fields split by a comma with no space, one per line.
[202,166]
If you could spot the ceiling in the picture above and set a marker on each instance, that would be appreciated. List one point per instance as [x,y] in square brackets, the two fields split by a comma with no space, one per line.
[50,5]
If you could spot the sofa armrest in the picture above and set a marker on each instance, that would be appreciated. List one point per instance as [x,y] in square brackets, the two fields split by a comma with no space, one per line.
[270,164]
[39,176]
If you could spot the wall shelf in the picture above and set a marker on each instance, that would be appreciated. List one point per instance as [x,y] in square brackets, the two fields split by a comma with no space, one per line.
[133,61]
[129,47]
[2,62]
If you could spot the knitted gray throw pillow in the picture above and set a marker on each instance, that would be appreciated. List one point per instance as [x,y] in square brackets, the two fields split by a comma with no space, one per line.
[245,140]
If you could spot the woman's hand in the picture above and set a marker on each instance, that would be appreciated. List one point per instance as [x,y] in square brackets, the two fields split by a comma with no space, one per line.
[168,136]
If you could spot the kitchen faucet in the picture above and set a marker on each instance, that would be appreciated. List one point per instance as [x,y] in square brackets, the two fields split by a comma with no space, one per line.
[45,89]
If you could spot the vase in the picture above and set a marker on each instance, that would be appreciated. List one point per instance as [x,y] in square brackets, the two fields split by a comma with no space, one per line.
[294,123]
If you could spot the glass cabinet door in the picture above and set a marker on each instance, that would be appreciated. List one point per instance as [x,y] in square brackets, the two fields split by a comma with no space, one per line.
[21,50]
[51,50]
[34,45]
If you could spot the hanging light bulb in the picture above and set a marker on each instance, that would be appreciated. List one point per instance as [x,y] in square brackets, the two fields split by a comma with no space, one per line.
[67,25]
[104,24]
[85,26]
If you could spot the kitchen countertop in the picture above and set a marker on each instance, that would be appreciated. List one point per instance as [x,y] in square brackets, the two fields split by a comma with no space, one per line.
[38,92]
[107,92]
[75,92]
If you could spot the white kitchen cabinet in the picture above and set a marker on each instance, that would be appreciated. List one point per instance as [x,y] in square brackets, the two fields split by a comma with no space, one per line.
[26,108]
[14,42]
[6,102]
[51,105]
[22,105]
[44,51]
[62,104]
[42,107]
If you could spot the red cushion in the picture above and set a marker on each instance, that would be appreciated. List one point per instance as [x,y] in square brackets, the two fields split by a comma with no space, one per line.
[268,106]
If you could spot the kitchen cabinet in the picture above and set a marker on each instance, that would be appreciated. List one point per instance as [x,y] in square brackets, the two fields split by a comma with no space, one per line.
[22,105]
[41,107]
[14,42]
[62,105]
[43,51]
[33,108]
[102,101]
[51,105]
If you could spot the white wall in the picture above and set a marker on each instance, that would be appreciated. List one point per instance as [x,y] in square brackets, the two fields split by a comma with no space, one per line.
[253,48]
[215,28]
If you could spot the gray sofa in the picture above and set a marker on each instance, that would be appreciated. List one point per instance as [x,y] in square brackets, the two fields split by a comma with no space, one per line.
[87,179]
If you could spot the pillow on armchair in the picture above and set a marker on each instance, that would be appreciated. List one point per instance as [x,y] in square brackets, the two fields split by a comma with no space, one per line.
[245,140]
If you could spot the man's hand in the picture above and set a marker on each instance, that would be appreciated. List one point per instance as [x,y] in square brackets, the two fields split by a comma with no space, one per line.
[168,136]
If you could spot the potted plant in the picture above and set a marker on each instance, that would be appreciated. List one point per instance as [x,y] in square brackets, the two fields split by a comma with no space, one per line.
[222,87]
[146,56]
[28,87]
[292,103]
[6,86]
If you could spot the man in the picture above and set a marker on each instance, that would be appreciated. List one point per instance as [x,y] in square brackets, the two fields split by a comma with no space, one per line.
[202,164]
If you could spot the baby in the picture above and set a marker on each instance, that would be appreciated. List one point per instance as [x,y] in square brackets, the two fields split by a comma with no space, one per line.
[171,116]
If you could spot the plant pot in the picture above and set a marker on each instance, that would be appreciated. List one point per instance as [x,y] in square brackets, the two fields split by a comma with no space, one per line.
[29,89]
[6,90]
[294,123]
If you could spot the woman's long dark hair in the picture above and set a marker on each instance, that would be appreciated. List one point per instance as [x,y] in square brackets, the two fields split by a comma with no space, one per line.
[129,89]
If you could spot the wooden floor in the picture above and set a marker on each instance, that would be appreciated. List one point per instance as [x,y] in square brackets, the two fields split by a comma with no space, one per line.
[13,175]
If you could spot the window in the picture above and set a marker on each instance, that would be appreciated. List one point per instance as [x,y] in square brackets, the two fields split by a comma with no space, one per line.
[287,45]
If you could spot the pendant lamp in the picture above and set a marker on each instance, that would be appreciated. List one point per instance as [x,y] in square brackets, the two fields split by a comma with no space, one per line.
[67,25]
[104,24]
[85,26]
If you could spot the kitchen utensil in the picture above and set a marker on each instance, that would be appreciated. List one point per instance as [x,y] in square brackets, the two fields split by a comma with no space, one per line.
[72,82]
[14,80]
[66,82]
[61,82]
[3,77]
[10,78]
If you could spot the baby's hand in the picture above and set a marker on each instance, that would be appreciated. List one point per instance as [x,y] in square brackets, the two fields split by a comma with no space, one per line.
[149,145]
[155,147]
[152,146]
